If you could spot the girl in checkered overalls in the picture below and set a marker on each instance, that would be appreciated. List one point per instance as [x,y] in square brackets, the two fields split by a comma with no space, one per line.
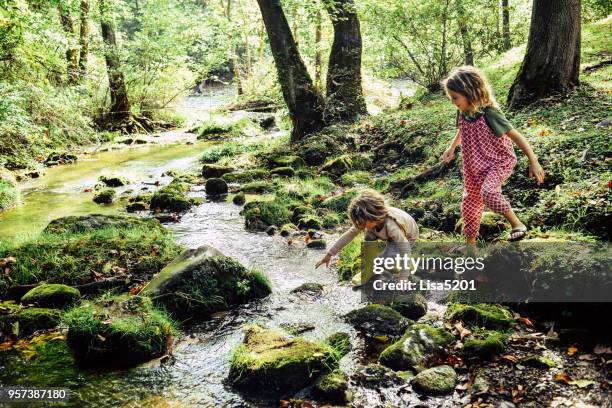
[486,139]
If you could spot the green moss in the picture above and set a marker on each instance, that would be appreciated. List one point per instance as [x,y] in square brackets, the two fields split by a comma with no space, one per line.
[338,166]
[215,130]
[356,178]
[52,295]
[332,387]
[538,362]
[9,193]
[172,197]
[270,364]
[349,262]
[113,181]
[121,330]
[75,258]
[339,203]
[482,314]
[259,187]
[412,308]
[261,214]
[435,381]
[420,343]
[485,344]
[105,196]
[295,162]
[378,321]
[244,176]
[215,170]
[341,342]
[283,171]
[25,321]
[94,222]
[309,221]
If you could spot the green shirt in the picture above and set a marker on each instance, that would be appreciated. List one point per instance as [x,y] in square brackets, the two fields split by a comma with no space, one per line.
[494,118]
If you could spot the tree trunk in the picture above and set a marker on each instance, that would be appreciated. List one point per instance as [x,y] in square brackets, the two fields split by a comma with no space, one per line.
[304,102]
[72,51]
[120,105]
[84,38]
[344,93]
[235,61]
[552,61]
[465,35]
[506,25]
[318,50]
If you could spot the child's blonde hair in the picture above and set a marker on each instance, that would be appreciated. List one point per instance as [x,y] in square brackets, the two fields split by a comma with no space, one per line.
[473,84]
[369,205]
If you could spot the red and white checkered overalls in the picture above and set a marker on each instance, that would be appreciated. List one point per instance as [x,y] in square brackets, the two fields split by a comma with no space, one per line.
[487,161]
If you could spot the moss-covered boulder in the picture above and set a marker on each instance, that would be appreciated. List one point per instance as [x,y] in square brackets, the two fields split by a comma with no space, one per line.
[413,307]
[121,330]
[331,387]
[25,321]
[295,162]
[435,381]
[420,343]
[105,196]
[239,199]
[376,376]
[216,187]
[114,181]
[172,197]
[338,166]
[244,176]
[261,214]
[309,288]
[52,295]
[270,364]
[485,345]
[9,193]
[309,221]
[92,222]
[339,203]
[258,187]
[287,229]
[215,170]
[137,206]
[485,315]
[356,178]
[203,281]
[283,171]
[378,321]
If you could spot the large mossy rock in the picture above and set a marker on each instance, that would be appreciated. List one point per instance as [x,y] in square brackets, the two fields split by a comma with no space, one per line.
[92,222]
[52,295]
[25,321]
[378,321]
[244,176]
[420,343]
[259,215]
[105,196]
[436,381]
[269,364]
[172,197]
[482,314]
[113,181]
[216,187]
[340,202]
[338,166]
[215,170]
[413,307]
[332,387]
[122,330]
[485,345]
[9,193]
[203,281]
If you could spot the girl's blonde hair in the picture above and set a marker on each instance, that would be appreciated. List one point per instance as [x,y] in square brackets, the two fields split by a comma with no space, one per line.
[369,205]
[473,84]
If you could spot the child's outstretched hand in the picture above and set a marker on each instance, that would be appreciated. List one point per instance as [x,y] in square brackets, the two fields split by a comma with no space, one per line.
[535,170]
[448,155]
[325,260]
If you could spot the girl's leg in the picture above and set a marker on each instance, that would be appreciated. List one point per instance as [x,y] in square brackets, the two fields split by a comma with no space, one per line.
[493,198]
[471,209]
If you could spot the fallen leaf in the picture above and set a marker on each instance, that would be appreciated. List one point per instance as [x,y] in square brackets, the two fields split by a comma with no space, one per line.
[571,350]
[88,190]
[463,332]
[7,345]
[511,358]
[562,377]
[525,321]
[582,383]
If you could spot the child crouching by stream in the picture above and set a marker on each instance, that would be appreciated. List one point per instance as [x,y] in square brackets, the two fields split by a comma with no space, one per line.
[370,213]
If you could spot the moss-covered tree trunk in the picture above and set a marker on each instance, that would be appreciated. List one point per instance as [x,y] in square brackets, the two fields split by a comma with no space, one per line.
[506,24]
[72,50]
[465,35]
[552,61]
[120,104]
[344,92]
[84,38]
[304,102]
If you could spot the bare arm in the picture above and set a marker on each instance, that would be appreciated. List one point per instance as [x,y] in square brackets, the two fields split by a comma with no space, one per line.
[535,170]
[449,154]
[343,241]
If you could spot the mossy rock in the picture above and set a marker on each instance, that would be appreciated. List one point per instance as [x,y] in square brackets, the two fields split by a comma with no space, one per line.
[356,178]
[482,315]
[88,223]
[361,162]
[376,376]
[244,176]
[308,221]
[9,193]
[113,181]
[538,362]
[105,196]
[269,364]
[330,220]
[331,387]
[310,288]
[137,206]
[172,197]
[338,166]
[378,321]
[295,162]
[203,281]
[259,215]
[25,321]
[413,307]
[53,295]
[239,199]
[317,244]
[122,330]
[420,343]
[56,158]
[300,211]
[339,203]
[215,170]
[215,187]
[283,171]
[259,187]
[435,381]
[485,345]
[287,229]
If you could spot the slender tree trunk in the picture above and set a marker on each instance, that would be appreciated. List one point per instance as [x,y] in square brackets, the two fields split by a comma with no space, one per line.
[506,24]
[465,35]
[304,102]
[235,61]
[318,50]
[344,92]
[84,38]
[552,61]
[120,104]
[72,51]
